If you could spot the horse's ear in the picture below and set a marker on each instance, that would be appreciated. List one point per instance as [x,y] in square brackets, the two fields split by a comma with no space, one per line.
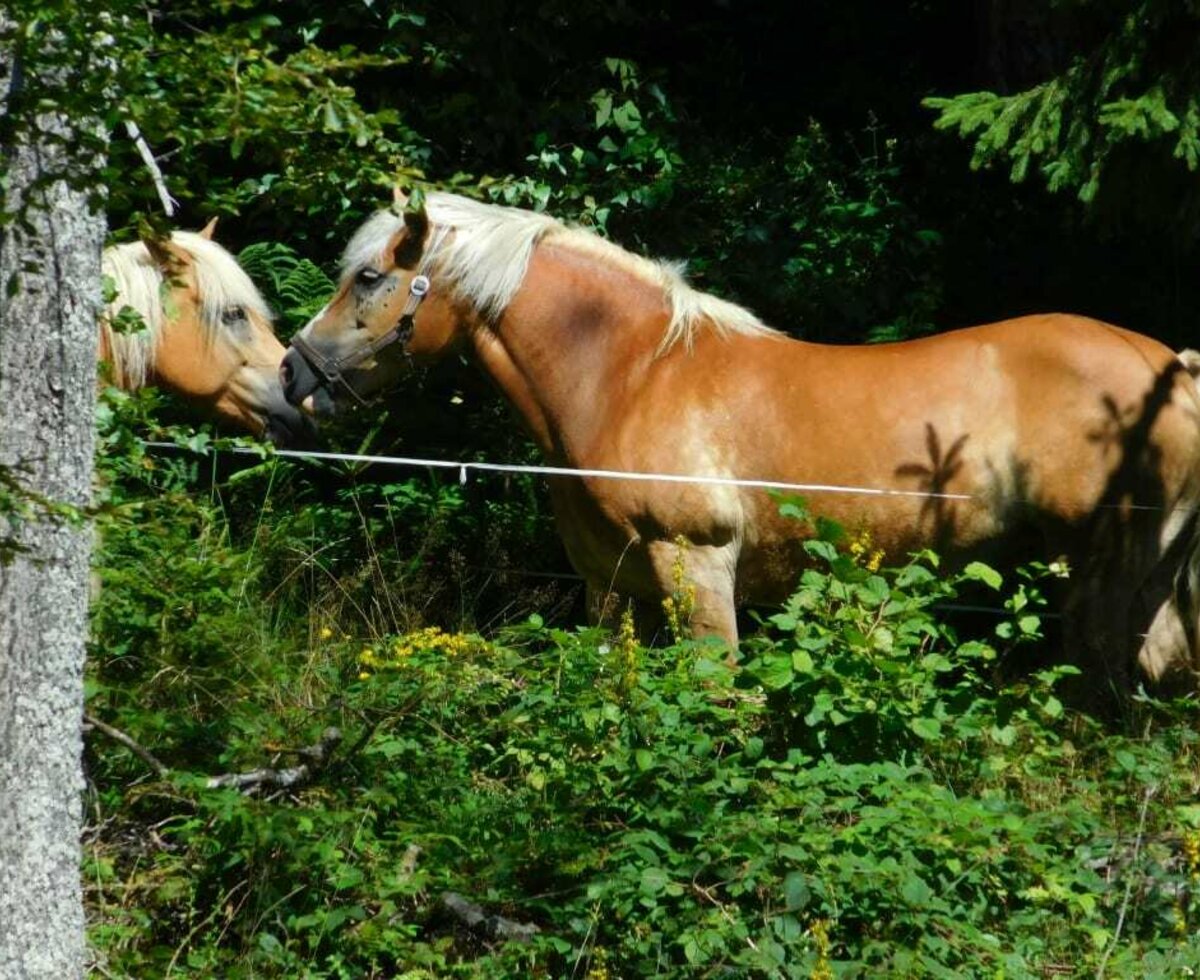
[412,244]
[168,256]
[417,223]
[207,231]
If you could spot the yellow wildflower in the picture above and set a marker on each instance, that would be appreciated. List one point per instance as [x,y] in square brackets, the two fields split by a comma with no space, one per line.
[860,544]
[624,658]
[1191,850]
[598,970]
[861,551]
[819,931]
[681,603]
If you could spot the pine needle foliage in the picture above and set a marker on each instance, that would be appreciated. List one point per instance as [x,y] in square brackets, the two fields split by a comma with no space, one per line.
[1138,84]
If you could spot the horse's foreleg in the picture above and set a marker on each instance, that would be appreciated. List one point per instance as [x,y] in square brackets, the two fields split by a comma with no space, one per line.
[700,580]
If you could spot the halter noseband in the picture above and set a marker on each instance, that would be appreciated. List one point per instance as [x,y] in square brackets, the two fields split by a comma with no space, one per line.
[330,369]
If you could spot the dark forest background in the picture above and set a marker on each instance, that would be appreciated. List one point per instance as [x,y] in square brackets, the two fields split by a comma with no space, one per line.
[783,149]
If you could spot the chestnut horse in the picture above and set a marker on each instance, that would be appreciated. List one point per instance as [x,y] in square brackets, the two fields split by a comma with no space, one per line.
[202,331]
[1050,436]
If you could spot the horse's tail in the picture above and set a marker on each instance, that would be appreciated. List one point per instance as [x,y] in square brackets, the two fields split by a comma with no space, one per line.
[1179,654]
[1190,359]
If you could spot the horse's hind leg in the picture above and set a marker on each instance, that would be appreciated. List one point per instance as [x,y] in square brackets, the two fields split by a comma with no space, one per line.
[1101,624]
[1097,637]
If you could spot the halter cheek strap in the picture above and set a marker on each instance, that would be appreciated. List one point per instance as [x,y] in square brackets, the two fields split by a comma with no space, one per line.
[330,368]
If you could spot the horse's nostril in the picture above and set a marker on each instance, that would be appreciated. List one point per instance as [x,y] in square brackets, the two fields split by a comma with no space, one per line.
[295,377]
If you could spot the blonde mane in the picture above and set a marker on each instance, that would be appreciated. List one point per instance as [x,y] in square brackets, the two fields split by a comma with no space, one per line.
[488,254]
[140,287]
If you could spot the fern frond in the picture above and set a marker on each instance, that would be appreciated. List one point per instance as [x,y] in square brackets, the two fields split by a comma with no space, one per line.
[294,286]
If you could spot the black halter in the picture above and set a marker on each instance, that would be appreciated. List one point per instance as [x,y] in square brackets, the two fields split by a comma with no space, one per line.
[330,369]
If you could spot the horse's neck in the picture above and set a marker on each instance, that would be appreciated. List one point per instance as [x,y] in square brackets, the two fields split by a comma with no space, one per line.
[118,357]
[107,351]
[577,337]
[104,345]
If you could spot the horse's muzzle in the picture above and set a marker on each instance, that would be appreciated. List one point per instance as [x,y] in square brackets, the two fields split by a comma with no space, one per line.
[289,428]
[297,377]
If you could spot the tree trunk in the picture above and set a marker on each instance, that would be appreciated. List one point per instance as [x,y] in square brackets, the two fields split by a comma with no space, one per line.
[50,248]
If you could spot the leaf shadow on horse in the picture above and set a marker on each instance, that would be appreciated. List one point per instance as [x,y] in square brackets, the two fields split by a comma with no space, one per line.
[938,509]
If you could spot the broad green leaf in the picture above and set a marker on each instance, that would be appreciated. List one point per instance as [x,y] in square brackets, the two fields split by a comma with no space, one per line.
[802,662]
[796,892]
[775,671]
[977,571]
[653,880]
[926,728]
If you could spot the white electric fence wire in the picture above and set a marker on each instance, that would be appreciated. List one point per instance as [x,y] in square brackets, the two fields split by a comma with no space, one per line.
[570,471]
[463,467]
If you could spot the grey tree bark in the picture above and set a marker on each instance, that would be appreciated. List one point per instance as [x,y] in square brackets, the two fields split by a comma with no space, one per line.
[50,279]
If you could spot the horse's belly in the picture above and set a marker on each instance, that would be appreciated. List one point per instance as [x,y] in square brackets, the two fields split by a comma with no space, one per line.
[959,530]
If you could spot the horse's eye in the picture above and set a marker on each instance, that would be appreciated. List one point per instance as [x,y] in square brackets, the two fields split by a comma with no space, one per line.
[367,278]
[233,314]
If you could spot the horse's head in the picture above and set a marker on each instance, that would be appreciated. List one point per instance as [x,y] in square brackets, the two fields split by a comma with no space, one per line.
[215,346]
[385,314]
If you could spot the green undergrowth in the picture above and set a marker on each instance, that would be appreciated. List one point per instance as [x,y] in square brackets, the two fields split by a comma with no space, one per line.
[862,794]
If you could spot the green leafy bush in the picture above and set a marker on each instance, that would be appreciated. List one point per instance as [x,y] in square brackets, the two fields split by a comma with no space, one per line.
[859,797]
